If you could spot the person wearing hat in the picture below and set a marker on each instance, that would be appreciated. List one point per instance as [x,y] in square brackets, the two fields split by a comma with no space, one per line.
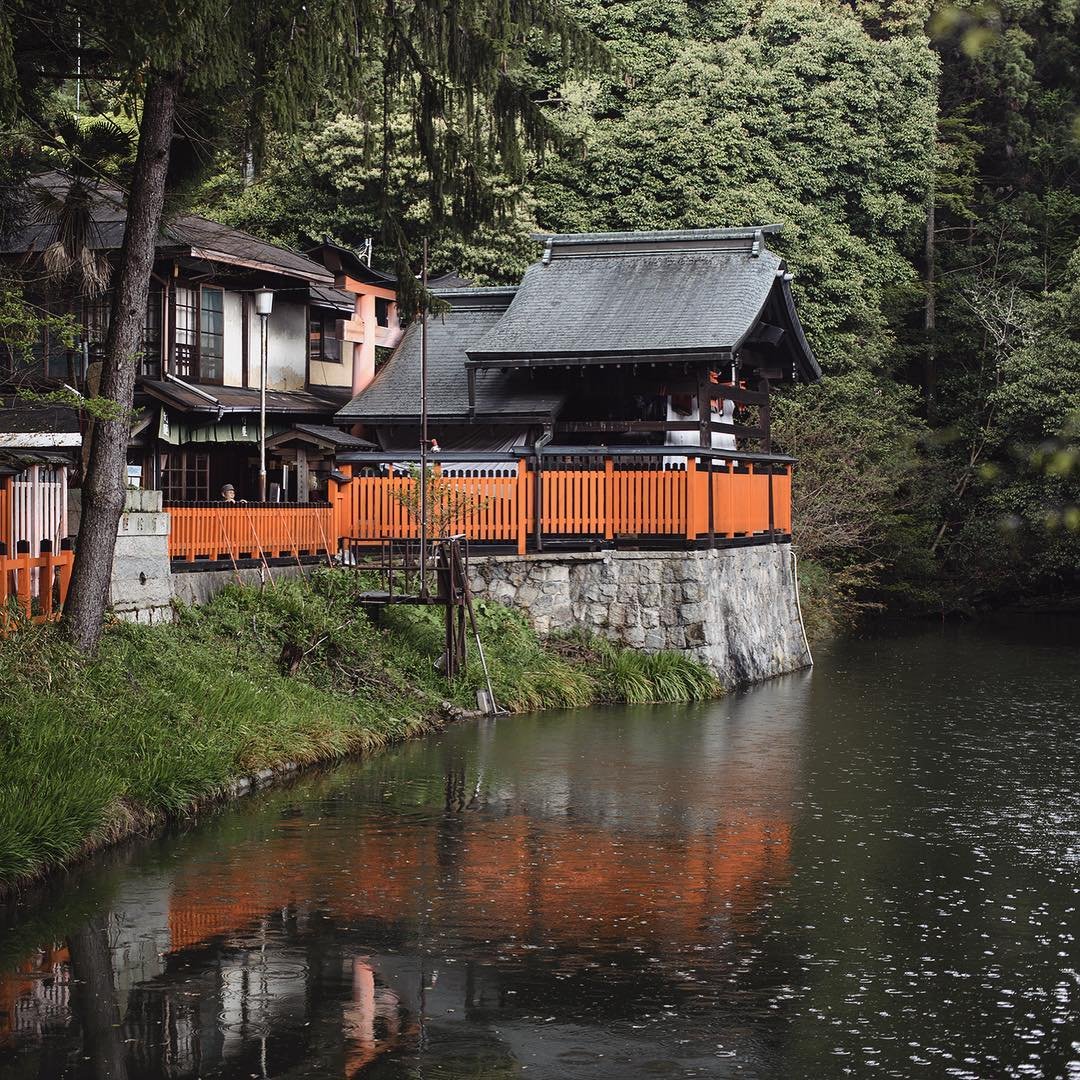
[228,493]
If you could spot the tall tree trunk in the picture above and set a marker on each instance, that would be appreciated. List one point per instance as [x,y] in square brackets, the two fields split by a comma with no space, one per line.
[104,482]
[930,310]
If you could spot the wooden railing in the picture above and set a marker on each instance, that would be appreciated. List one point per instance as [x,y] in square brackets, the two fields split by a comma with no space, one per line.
[33,586]
[234,531]
[582,497]
[5,514]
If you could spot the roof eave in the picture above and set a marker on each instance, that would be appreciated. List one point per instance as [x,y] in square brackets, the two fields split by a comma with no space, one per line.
[211,255]
[806,362]
[457,417]
[481,360]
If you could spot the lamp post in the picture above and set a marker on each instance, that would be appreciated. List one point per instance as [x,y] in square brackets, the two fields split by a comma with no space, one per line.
[264,303]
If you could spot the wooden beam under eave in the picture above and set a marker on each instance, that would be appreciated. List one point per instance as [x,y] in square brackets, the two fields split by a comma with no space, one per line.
[351,284]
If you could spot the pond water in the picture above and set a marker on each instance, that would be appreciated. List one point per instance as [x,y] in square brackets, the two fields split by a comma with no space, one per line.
[870,870]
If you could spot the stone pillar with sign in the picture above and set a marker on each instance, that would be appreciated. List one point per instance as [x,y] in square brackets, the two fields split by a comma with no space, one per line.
[141,588]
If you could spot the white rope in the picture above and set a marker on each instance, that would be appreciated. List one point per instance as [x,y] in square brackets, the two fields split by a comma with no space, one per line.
[798,604]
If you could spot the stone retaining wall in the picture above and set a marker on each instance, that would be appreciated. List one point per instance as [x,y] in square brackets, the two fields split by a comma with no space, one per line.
[734,608]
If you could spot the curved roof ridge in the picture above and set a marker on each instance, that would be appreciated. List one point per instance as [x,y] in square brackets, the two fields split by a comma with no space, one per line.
[744,232]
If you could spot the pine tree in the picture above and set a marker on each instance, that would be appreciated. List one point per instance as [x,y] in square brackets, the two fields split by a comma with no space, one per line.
[187,69]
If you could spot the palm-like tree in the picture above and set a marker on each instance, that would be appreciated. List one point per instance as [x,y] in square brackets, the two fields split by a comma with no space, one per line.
[82,150]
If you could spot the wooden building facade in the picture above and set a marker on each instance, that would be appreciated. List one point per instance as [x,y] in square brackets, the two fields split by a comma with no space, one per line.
[624,387]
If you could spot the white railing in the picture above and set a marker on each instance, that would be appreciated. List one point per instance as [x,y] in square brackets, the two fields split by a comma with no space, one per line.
[38,508]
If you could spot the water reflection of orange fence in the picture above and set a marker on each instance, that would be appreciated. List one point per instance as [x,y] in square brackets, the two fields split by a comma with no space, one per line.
[516,877]
[603,496]
[222,531]
[34,992]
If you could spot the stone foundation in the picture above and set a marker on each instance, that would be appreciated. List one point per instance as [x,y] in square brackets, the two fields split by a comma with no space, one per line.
[735,609]
[201,586]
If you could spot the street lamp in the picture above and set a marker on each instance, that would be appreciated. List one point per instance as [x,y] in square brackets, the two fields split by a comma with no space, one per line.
[264,303]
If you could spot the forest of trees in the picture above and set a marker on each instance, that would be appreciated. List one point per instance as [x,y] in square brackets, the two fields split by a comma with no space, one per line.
[925,163]
[923,159]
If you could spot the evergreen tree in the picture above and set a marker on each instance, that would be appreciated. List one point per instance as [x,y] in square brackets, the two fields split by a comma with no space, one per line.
[191,70]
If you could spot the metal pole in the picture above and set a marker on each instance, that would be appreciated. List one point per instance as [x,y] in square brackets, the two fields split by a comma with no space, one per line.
[423,426]
[262,410]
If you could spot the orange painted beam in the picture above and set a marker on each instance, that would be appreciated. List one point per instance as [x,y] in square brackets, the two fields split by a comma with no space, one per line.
[343,281]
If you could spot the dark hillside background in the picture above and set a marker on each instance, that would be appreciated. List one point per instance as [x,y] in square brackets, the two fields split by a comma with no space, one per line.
[925,162]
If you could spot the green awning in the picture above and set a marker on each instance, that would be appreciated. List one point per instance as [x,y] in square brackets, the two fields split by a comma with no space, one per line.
[229,429]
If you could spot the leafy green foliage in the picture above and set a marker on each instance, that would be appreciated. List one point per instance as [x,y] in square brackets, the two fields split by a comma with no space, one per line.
[22,325]
[329,181]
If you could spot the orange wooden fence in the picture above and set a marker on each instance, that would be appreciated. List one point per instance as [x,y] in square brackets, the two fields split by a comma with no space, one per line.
[5,513]
[34,586]
[258,531]
[601,499]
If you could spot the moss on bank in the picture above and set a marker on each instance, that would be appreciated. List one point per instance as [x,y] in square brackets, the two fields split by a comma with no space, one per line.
[167,716]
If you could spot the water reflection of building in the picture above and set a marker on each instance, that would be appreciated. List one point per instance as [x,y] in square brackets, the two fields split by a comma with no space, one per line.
[331,940]
[258,943]
[35,994]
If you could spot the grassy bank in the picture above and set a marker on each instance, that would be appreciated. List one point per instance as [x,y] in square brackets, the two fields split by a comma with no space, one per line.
[165,717]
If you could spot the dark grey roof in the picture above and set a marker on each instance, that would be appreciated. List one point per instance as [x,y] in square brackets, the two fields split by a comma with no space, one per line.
[449,280]
[676,294]
[394,396]
[17,415]
[186,398]
[337,299]
[334,435]
[182,234]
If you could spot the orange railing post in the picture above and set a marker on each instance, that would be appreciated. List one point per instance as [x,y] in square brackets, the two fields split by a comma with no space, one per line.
[5,574]
[609,497]
[67,558]
[22,577]
[522,495]
[691,498]
[45,579]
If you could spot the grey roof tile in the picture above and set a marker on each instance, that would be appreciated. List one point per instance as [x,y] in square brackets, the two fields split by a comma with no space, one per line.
[620,294]
[394,396]
[186,398]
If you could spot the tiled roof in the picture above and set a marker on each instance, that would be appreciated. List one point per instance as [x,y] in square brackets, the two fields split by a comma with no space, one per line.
[677,293]
[182,233]
[235,399]
[394,396]
[334,435]
[326,297]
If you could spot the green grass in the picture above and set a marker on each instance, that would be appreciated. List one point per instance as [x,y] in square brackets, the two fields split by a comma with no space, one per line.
[166,716]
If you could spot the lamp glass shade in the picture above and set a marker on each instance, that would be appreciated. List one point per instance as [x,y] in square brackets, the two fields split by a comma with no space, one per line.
[264,301]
